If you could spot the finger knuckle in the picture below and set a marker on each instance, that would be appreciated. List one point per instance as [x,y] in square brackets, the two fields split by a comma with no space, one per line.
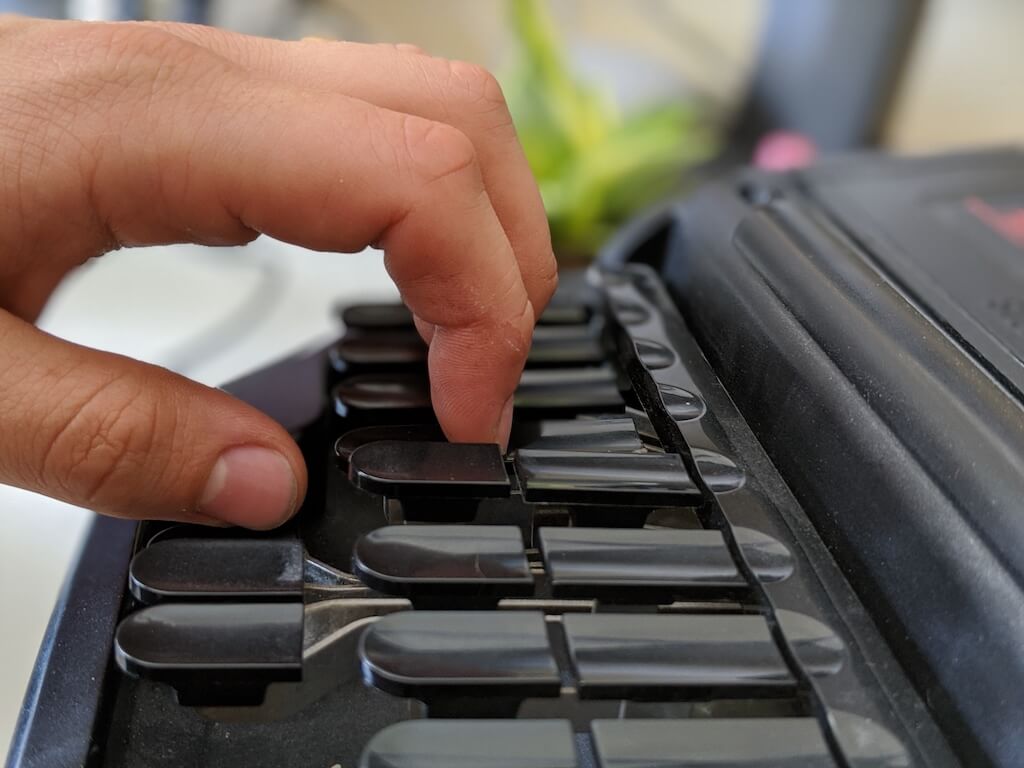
[475,90]
[100,440]
[129,43]
[521,328]
[548,278]
[128,64]
[507,311]
[476,83]
[436,150]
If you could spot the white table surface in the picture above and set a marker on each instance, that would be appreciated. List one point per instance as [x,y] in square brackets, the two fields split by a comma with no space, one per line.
[211,313]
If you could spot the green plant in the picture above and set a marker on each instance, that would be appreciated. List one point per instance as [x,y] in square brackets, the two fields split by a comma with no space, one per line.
[595,165]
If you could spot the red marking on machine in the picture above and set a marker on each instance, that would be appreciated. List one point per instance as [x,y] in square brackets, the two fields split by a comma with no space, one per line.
[1008,223]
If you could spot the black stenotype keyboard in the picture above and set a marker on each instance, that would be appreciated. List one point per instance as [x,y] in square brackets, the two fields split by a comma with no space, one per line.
[761,506]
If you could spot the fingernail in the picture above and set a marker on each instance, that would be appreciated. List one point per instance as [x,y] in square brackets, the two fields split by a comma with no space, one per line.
[195,518]
[250,486]
[504,425]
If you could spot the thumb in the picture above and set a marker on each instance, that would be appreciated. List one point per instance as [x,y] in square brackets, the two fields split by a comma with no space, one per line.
[133,440]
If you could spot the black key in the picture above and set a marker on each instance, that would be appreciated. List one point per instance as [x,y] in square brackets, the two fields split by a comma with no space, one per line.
[674,656]
[627,479]
[406,396]
[384,397]
[354,438]
[565,345]
[408,560]
[472,744]
[576,332]
[648,434]
[213,653]
[611,435]
[404,348]
[374,316]
[383,348]
[569,390]
[589,560]
[392,316]
[196,531]
[767,742]
[430,655]
[419,470]
[564,313]
[218,569]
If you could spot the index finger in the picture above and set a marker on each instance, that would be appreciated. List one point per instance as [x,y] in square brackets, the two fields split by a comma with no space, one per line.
[460,94]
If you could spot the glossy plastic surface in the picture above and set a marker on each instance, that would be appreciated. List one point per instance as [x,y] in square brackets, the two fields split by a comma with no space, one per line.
[654,354]
[564,345]
[814,644]
[769,559]
[560,312]
[473,744]
[769,742]
[629,479]
[355,438]
[553,345]
[406,469]
[406,560]
[213,652]
[569,390]
[385,348]
[391,396]
[218,569]
[376,316]
[681,404]
[719,472]
[611,435]
[429,654]
[578,558]
[674,656]
[396,396]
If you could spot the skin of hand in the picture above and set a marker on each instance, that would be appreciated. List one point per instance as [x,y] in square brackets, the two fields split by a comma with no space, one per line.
[115,135]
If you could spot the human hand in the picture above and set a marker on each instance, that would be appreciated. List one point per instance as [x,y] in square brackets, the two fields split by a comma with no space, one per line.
[117,135]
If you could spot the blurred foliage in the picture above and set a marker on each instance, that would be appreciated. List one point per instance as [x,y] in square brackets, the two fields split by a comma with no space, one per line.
[595,165]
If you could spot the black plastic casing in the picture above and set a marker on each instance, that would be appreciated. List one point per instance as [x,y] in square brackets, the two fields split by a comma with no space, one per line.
[845,310]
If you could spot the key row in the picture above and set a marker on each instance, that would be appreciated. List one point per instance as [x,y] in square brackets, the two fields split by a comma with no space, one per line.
[663,743]
[395,316]
[389,398]
[494,659]
[412,470]
[401,349]
[480,561]
[586,435]
[595,434]
[427,655]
